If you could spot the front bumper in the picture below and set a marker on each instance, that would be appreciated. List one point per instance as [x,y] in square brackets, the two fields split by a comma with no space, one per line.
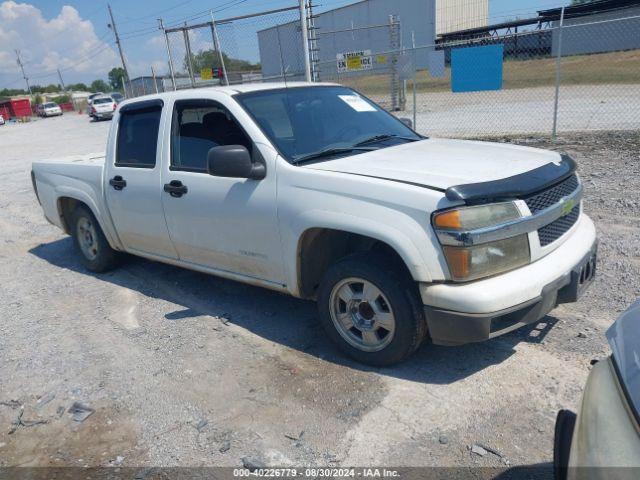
[523,296]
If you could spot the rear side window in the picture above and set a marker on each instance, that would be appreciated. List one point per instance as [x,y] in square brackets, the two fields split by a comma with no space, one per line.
[138,138]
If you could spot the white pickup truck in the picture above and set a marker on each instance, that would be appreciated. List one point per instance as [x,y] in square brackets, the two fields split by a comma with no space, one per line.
[315,191]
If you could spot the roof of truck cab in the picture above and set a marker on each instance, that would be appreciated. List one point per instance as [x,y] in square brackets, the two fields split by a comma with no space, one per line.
[229,90]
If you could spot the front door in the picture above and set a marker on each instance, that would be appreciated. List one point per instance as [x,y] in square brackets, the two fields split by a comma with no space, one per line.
[228,224]
[132,183]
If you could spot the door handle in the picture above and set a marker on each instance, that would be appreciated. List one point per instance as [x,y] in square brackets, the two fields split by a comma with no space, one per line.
[175,188]
[117,182]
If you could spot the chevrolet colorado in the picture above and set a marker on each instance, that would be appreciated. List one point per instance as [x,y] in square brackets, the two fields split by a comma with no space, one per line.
[314,190]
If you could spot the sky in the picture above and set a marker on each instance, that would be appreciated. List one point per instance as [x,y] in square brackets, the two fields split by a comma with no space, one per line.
[73,36]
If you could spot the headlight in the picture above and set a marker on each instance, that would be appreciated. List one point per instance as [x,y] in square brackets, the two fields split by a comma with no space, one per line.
[470,218]
[470,262]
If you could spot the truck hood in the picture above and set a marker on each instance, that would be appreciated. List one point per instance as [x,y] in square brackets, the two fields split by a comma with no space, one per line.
[442,163]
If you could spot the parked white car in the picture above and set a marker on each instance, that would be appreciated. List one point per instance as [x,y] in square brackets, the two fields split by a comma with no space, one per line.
[2,122]
[102,108]
[90,100]
[49,109]
[315,191]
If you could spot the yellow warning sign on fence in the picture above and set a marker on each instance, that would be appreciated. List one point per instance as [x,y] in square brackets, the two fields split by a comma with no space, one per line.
[353,61]
[206,74]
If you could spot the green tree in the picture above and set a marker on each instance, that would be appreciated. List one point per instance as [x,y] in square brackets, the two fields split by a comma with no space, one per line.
[10,92]
[99,86]
[210,59]
[116,74]
[51,88]
[62,99]
[79,87]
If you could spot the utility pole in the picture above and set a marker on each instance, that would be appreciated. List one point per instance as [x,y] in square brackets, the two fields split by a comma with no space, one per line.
[112,26]
[61,81]
[23,74]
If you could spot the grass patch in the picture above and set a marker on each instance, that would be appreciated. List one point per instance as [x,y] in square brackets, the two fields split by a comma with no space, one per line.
[595,69]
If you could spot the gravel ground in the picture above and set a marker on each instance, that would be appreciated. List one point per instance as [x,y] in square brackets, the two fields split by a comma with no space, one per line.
[184,369]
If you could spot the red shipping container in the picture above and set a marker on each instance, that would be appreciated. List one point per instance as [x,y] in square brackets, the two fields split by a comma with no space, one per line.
[17,107]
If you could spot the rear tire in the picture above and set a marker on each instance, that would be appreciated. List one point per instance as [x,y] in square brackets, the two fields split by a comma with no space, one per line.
[95,252]
[371,310]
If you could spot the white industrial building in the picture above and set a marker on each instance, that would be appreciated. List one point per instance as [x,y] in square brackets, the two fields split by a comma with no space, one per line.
[454,15]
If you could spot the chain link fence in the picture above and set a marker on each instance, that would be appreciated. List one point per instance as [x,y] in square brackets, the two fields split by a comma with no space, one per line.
[578,74]
[227,51]
[366,53]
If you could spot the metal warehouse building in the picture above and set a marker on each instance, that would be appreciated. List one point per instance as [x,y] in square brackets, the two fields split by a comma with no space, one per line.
[590,28]
[365,26]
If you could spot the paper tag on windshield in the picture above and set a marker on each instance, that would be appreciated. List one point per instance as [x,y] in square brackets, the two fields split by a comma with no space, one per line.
[357,103]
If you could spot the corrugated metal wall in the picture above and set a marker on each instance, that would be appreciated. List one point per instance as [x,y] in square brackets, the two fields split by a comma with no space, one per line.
[585,35]
[415,16]
[453,15]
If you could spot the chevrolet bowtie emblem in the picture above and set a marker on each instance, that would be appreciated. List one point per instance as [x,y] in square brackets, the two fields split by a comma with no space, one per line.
[568,206]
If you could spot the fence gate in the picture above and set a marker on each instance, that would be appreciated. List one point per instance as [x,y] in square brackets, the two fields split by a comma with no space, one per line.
[367,58]
[228,51]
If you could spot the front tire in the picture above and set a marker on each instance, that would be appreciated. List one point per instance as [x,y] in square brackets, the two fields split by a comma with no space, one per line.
[95,252]
[371,310]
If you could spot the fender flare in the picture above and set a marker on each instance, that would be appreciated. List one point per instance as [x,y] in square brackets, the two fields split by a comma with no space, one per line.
[85,198]
[319,219]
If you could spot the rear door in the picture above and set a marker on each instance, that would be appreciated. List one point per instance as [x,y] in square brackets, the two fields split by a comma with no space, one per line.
[227,224]
[133,188]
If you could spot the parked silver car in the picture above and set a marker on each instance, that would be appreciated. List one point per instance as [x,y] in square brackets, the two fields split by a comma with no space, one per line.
[603,440]
[49,109]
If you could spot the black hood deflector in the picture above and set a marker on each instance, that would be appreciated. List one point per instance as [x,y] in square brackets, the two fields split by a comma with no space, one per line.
[517,186]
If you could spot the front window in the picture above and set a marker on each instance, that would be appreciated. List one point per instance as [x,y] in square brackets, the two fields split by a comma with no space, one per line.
[99,101]
[50,105]
[314,123]
[198,126]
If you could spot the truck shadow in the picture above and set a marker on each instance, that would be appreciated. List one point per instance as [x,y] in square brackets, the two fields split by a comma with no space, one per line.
[282,319]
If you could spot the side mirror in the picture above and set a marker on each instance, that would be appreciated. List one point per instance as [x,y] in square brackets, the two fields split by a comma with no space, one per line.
[407,122]
[233,161]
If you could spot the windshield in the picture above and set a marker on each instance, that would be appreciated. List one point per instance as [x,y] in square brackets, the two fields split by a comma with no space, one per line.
[624,339]
[50,105]
[98,101]
[314,122]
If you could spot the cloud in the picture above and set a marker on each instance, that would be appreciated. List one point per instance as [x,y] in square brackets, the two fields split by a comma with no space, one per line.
[66,42]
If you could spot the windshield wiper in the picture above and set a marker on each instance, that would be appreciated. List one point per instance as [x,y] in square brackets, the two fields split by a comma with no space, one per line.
[327,152]
[385,136]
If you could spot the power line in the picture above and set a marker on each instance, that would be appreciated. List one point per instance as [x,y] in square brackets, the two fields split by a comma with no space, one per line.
[87,55]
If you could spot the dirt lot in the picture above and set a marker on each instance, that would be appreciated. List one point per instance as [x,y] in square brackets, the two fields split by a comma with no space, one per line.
[183,369]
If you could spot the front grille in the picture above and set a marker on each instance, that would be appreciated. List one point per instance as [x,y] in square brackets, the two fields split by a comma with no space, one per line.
[550,233]
[553,195]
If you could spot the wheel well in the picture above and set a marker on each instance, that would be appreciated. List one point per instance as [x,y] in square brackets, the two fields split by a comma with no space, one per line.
[66,207]
[319,248]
